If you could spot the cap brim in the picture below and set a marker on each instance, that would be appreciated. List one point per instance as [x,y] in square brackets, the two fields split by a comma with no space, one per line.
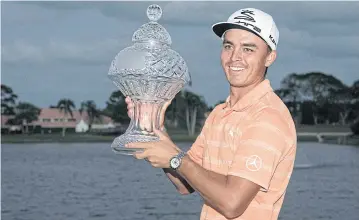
[221,27]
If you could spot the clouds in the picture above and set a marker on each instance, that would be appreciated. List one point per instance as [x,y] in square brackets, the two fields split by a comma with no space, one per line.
[71,44]
[329,46]
[59,51]
[21,51]
[80,35]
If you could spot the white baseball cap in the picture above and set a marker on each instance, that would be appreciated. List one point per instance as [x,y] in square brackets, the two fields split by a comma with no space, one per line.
[253,20]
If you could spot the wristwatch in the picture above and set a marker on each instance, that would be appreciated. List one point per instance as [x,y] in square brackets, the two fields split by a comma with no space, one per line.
[176,161]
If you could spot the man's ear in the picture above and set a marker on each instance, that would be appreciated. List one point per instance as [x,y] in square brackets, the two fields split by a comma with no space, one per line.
[271,58]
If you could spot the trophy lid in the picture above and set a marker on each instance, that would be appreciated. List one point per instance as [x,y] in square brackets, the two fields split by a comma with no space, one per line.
[152,31]
[150,69]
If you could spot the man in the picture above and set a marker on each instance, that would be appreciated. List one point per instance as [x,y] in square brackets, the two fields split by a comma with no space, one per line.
[242,161]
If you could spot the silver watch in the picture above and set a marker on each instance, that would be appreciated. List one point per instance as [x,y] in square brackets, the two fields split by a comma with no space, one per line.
[176,161]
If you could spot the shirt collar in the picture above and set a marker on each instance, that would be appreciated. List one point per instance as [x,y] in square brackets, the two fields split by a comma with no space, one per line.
[251,97]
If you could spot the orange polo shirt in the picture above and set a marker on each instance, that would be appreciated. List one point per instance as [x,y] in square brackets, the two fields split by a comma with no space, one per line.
[255,140]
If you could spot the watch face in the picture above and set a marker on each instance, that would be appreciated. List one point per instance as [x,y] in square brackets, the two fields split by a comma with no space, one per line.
[175,162]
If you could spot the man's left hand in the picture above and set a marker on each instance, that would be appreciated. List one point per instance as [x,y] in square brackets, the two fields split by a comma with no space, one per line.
[157,153]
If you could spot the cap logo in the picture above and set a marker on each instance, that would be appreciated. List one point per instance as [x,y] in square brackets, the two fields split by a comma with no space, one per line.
[271,38]
[247,16]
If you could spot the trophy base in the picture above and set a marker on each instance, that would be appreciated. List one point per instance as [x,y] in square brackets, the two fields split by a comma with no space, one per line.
[118,145]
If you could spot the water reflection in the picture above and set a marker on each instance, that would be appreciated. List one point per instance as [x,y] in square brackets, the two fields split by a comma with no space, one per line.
[88,181]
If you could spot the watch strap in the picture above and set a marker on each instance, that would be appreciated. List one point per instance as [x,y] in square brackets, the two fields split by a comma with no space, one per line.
[181,155]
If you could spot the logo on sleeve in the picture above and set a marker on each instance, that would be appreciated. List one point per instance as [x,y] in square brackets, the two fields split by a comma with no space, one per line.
[254,163]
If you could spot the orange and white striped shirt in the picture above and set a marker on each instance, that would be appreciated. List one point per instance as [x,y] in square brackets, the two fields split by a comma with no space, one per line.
[256,140]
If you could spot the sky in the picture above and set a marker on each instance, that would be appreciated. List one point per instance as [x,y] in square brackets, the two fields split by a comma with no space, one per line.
[54,50]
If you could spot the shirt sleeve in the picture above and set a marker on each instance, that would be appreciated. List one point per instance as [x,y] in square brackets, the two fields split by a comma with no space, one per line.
[261,147]
[196,151]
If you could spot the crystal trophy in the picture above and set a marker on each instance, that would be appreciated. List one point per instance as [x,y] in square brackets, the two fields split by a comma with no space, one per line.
[150,73]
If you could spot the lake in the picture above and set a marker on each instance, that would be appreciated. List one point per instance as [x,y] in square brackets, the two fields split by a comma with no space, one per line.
[88,181]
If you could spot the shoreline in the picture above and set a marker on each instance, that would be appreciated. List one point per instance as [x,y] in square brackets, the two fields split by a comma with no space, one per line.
[74,138]
[89,138]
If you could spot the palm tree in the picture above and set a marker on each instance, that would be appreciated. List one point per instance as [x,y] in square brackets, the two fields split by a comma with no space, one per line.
[66,106]
[91,110]
[116,107]
[173,111]
[190,104]
[8,100]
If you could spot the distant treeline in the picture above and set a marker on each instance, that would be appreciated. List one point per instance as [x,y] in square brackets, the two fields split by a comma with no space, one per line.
[313,98]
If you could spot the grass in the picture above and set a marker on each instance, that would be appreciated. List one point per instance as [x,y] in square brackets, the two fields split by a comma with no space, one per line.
[323,128]
[354,140]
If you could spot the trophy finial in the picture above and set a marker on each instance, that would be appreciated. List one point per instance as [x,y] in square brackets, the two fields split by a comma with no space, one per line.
[154,12]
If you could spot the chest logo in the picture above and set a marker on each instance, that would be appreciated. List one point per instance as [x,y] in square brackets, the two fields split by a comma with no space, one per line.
[254,163]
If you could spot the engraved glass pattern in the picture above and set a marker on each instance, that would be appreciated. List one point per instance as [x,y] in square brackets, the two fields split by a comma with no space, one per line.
[151,73]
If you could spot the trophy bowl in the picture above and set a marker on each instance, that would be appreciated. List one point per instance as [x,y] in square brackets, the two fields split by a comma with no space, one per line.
[150,73]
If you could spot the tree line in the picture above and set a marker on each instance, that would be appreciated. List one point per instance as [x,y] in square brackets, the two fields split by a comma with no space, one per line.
[313,98]
[318,98]
[186,110]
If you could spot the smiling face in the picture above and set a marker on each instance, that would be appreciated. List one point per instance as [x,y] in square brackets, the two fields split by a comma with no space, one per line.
[245,58]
